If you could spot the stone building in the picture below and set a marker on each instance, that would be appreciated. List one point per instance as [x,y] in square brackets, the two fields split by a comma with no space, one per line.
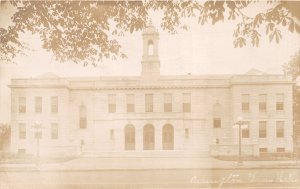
[152,114]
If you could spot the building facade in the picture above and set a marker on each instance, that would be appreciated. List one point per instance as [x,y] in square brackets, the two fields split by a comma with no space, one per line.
[151,114]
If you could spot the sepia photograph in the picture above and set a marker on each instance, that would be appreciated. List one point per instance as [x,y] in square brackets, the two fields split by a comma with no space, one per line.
[149,94]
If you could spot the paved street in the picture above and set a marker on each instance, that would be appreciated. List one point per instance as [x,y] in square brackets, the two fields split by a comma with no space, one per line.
[133,163]
[179,178]
[149,173]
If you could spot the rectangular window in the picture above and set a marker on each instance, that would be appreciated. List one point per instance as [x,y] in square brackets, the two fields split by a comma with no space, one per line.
[54,131]
[262,129]
[21,151]
[112,134]
[245,103]
[82,117]
[149,102]
[54,104]
[280,150]
[279,102]
[245,129]
[82,123]
[167,102]
[263,150]
[217,122]
[111,103]
[279,129]
[130,103]
[22,104]
[22,131]
[186,106]
[38,104]
[262,103]
[186,133]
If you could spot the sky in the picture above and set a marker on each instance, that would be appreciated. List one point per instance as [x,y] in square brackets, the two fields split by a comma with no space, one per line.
[200,50]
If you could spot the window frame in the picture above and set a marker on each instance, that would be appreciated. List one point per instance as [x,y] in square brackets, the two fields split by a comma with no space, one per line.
[150,48]
[245,103]
[280,131]
[263,150]
[22,104]
[112,103]
[245,132]
[38,104]
[54,104]
[112,134]
[262,133]
[217,123]
[279,102]
[280,149]
[186,102]
[186,133]
[168,102]
[262,104]
[149,98]
[82,117]
[130,103]
[54,131]
[22,131]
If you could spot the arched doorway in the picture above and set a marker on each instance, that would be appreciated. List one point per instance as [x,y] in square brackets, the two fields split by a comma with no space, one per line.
[149,139]
[129,137]
[150,48]
[168,137]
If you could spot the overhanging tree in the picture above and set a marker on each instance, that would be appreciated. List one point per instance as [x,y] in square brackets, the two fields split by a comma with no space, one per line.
[293,68]
[4,134]
[85,31]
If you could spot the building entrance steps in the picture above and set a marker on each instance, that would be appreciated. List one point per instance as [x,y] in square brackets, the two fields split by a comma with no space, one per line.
[91,163]
[116,163]
[148,154]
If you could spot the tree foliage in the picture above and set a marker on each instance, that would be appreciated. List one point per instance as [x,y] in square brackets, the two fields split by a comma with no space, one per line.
[85,31]
[293,66]
[4,134]
[4,128]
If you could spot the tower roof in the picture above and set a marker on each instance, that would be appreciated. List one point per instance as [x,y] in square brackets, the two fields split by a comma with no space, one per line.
[254,71]
[150,29]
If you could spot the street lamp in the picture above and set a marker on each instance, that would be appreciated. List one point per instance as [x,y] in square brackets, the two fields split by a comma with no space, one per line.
[38,135]
[240,122]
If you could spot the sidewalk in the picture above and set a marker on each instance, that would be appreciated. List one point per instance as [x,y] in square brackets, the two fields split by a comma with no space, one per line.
[132,163]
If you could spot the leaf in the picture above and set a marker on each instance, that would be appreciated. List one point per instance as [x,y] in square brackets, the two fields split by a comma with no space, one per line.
[271,36]
[292,27]
[270,27]
[255,38]
[233,16]
[235,43]
[297,27]
[257,20]
[131,28]
[284,22]
[277,35]
[239,42]
[230,15]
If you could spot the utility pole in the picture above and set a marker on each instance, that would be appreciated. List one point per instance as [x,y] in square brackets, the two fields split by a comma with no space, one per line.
[38,135]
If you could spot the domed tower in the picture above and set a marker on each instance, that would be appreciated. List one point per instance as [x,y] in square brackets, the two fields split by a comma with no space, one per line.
[150,59]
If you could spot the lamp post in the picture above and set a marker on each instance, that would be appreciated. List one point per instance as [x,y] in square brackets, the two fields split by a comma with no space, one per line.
[38,135]
[240,123]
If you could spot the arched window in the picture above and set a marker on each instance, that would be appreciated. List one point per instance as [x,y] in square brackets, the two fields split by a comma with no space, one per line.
[82,117]
[149,139]
[168,137]
[150,48]
[129,137]
[217,114]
